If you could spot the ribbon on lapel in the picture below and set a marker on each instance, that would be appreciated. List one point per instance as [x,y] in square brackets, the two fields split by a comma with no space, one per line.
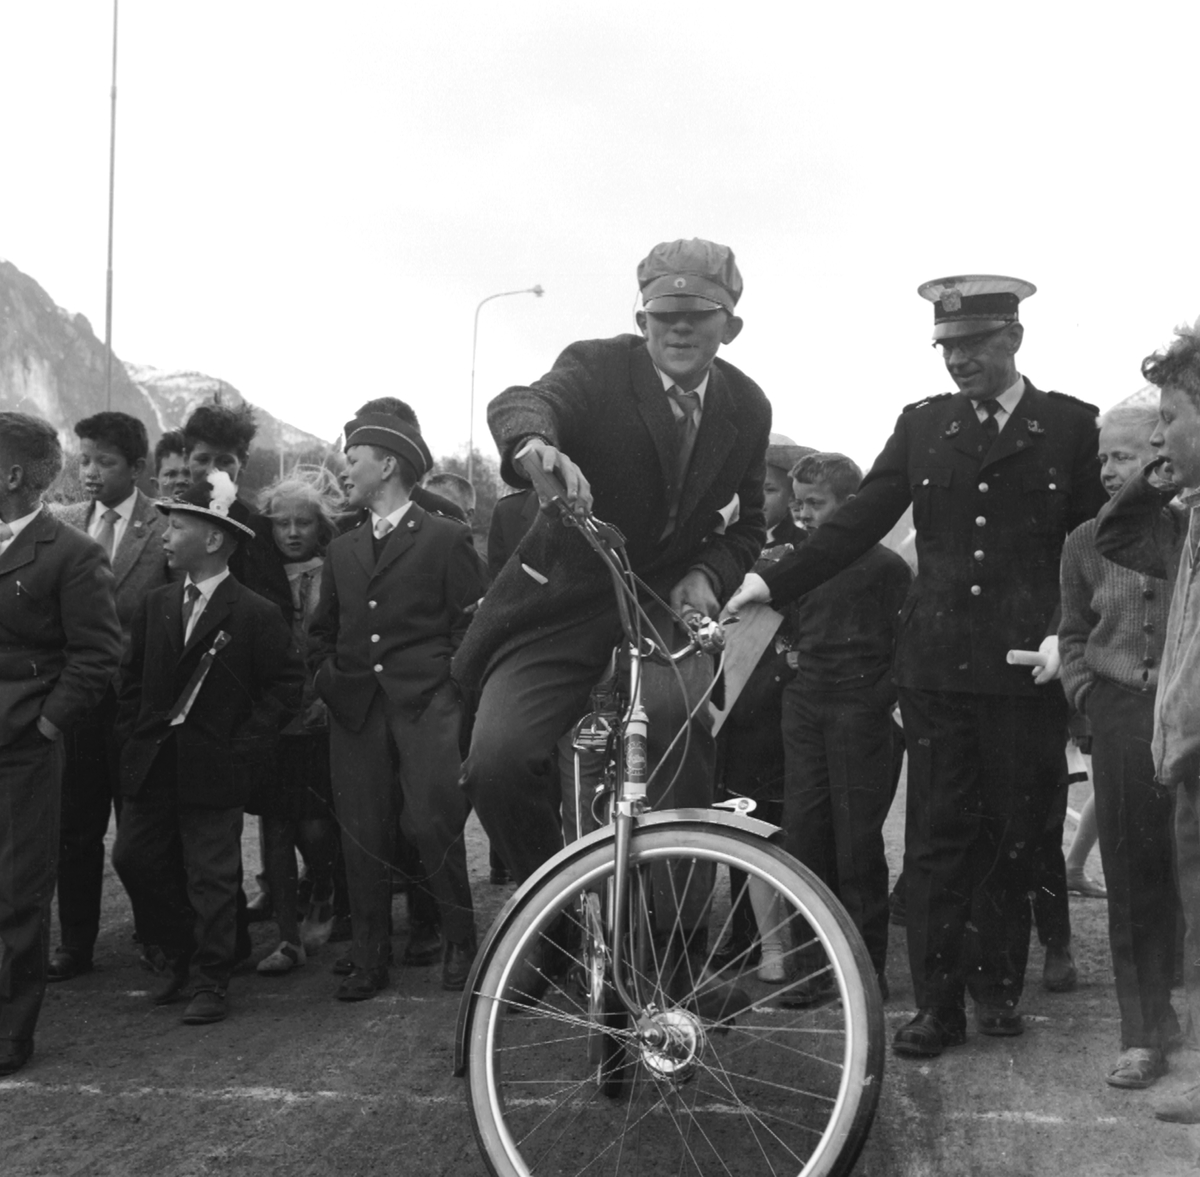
[178,713]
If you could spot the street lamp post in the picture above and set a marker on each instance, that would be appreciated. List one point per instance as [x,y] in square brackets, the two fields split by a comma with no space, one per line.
[474,348]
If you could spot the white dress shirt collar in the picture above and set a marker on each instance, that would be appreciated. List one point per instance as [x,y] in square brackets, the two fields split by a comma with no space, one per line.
[394,518]
[1007,400]
[18,525]
[207,587]
[699,390]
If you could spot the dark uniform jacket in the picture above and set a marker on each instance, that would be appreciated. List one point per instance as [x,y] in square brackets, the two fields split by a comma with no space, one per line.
[604,406]
[225,748]
[990,530]
[392,624]
[60,642]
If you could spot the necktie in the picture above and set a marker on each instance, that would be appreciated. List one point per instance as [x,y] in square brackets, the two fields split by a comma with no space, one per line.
[190,596]
[382,527]
[686,426]
[108,531]
[991,427]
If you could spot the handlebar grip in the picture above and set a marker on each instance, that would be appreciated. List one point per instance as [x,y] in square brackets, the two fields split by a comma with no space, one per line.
[548,487]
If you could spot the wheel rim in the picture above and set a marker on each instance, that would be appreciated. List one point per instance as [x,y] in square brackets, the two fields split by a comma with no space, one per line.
[768,1090]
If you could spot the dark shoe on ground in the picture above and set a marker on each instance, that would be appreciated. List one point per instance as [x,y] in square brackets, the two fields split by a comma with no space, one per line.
[206,1006]
[998,1021]
[1137,1067]
[456,965]
[66,965]
[14,1054]
[424,946]
[175,974]
[362,984]
[929,1033]
[343,966]
[1179,1107]
[153,959]
[1059,974]
[811,992]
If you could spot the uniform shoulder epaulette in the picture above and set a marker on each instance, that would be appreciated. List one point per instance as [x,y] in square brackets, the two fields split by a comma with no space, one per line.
[941,396]
[1066,396]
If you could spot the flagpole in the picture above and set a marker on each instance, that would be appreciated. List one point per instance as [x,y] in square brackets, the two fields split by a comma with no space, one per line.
[112,161]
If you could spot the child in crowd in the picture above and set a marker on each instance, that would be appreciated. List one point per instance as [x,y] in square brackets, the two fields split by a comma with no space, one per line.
[1110,639]
[171,474]
[212,677]
[303,508]
[837,718]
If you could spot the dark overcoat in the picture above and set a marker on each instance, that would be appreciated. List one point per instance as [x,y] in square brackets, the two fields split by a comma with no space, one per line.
[392,625]
[990,529]
[60,641]
[604,406]
[225,749]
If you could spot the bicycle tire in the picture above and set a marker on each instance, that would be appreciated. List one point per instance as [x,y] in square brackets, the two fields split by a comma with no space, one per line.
[746,1086]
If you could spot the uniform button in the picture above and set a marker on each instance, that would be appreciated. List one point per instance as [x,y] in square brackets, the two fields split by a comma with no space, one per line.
[378,667]
[374,637]
[983,487]
[1147,661]
[1148,627]
[1148,594]
[975,590]
[979,520]
[979,555]
[925,482]
[372,604]
[1053,486]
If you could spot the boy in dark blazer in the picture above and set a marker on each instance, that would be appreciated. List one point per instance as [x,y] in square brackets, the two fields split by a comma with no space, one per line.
[211,679]
[394,605]
[113,450]
[60,645]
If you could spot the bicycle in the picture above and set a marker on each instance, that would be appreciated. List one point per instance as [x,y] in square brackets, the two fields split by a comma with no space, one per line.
[596,1033]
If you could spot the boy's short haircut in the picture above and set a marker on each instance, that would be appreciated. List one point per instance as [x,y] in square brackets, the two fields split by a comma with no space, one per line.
[32,444]
[221,427]
[170,443]
[391,405]
[836,471]
[454,487]
[1179,365]
[126,434]
[408,472]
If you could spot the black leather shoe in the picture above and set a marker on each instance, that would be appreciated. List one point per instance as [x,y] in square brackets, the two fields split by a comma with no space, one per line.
[456,965]
[206,1006]
[14,1054]
[998,1021]
[176,979]
[424,946]
[343,966]
[929,1033]
[362,984]
[65,965]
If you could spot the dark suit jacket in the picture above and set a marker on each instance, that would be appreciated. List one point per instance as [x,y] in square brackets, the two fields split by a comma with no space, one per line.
[990,530]
[603,404]
[257,563]
[392,625]
[139,564]
[225,747]
[60,642]
[512,517]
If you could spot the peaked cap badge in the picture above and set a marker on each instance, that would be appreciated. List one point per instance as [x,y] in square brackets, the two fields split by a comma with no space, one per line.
[952,301]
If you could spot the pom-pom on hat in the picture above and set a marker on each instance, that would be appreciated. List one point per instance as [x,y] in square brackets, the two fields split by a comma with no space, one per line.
[211,497]
[970,304]
[693,275]
[402,437]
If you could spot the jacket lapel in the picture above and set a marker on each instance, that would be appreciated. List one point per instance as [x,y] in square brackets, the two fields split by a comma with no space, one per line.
[717,435]
[23,549]
[173,617]
[361,545]
[400,540]
[656,412]
[137,533]
[962,426]
[217,610]
[1022,428]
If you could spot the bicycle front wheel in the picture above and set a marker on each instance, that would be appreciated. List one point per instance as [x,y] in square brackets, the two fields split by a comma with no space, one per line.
[771,1065]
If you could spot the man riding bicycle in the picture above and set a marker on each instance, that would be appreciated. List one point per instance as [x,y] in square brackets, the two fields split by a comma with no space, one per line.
[668,443]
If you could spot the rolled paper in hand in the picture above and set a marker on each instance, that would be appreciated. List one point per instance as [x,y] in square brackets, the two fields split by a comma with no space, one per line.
[1026,658]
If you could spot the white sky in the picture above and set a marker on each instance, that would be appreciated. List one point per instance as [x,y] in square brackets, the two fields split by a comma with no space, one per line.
[311,199]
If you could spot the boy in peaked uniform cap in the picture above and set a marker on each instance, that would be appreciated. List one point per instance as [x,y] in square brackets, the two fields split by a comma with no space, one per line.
[998,474]
[394,605]
[211,679]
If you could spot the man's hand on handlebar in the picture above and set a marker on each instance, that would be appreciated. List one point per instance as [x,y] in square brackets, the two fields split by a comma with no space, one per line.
[694,594]
[752,589]
[554,461]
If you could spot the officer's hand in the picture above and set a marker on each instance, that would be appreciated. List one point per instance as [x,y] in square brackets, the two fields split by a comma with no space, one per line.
[47,729]
[1053,667]
[554,461]
[694,594]
[752,589]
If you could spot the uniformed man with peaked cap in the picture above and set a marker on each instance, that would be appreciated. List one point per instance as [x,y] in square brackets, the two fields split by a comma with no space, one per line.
[998,474]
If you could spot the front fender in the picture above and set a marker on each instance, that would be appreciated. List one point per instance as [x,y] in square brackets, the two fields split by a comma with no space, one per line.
[683,818]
